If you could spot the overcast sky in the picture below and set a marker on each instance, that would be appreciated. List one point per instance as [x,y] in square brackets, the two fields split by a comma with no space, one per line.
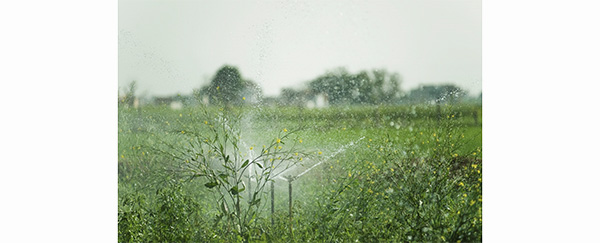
[174,46]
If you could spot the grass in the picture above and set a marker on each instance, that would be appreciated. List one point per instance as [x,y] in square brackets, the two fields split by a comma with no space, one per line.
[414,176]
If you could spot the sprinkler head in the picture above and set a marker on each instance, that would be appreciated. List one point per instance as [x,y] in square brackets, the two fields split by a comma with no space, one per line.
[290,178]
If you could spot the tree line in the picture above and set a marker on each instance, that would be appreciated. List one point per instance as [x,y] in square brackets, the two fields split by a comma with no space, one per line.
[336,87]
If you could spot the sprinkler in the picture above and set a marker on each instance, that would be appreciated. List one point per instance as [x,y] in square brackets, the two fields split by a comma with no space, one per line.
[291,178]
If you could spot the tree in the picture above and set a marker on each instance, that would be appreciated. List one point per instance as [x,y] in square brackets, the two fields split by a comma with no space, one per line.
[363,94]
[386,87]
[342,87]
[129,97]
[337,84]
[226,86]
[293,97]
[229,88]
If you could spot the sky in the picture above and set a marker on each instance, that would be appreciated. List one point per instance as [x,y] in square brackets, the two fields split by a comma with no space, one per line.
[175,46]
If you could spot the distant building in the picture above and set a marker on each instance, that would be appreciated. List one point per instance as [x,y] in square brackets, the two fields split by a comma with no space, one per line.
[176,105]
[320,100]
[174,102]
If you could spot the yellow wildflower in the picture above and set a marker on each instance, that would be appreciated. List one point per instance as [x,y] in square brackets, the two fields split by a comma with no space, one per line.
[243,98]
[285,130]
[278,140]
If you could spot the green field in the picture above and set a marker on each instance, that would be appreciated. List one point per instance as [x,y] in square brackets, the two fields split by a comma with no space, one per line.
[380,173]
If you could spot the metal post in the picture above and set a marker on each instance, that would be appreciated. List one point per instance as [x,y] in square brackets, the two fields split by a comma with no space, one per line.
[291,222]
[290,179]
[290,190]
[272,203]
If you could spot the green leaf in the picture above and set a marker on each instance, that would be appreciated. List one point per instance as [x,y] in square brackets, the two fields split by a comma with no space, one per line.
[253,218]
[254,202]
[224,208]
[235,190]
[211,184]
[224,177]
[245,163]
[259,165]
[227,167]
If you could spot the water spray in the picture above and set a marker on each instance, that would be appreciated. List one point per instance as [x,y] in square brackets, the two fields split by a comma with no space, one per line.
[341,149]
[291,178]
